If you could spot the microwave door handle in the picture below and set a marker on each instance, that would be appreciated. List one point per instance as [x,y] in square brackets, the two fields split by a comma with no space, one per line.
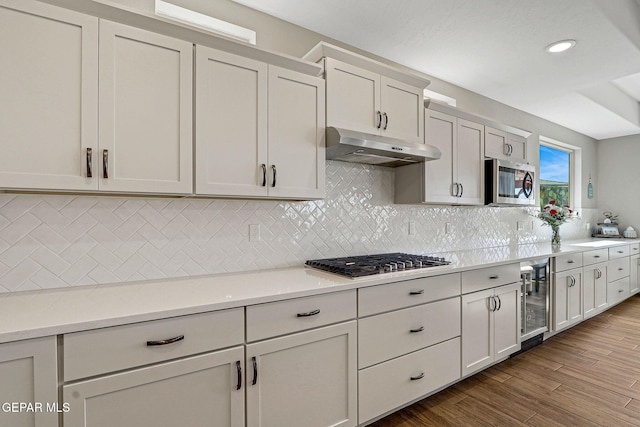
[527,179]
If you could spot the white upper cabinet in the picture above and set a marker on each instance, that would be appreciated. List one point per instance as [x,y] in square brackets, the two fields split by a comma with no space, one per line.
[86,116]
[365,101]
[259,129]
[49,87]
[145,111]
[458,176]
[505,145]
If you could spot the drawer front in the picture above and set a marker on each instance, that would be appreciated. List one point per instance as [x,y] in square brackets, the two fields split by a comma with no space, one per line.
[596,256]
[490,277]
[567,262]
[294,315]
[634,249]
[390,335]
[392,296]
[99,351]
[617,269]
[619,252]
[389,385]
[618,291]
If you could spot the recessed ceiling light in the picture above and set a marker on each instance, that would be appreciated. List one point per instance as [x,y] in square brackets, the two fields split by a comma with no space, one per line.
[560,46]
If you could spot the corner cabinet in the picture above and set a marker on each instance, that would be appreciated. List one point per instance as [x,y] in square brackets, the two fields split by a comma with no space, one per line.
[29,375]
[365,101]
[458,176]
[259,129]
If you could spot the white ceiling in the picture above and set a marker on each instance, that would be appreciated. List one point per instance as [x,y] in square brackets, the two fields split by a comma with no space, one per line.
[496,48]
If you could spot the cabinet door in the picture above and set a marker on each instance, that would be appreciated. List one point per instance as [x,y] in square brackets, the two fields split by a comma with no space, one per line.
[441,131]
[594,289]
[49,87]
[203,390]
[517,148]
[306,379]
[353,97]
[470,162]
[231,124]
[28,374]
[567,306]
[507,320]
[296,135]
[402,107]
[495,143]
[145,111]
[477,331]
[634,286]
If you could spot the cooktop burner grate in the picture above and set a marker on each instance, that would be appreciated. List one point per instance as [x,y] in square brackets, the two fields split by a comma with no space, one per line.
[367,265]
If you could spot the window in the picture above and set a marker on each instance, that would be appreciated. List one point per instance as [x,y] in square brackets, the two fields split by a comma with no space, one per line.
[555,174]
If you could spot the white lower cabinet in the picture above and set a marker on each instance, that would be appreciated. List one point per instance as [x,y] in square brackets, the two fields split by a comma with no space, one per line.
[634,263]
[490,326]
[305,379]
[202,390]
[567,297]
[595,289]
[28,375]
[389,385]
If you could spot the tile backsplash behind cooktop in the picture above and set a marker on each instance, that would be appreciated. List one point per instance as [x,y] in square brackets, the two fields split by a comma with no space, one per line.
[51,241]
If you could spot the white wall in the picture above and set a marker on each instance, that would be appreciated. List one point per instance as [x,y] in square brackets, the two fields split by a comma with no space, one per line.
[618,187]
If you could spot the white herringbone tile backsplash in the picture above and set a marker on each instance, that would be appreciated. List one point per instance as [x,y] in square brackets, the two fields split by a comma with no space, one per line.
[52,241]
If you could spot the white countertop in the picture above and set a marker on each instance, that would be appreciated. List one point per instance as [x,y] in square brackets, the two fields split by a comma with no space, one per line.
[34,314]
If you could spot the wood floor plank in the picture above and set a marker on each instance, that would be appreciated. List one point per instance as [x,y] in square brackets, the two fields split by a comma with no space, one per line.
[587,376]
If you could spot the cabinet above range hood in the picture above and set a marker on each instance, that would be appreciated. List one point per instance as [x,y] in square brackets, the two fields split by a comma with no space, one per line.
[358,147]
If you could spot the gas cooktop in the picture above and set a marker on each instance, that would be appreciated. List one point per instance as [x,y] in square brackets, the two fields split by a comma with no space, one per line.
[367,265]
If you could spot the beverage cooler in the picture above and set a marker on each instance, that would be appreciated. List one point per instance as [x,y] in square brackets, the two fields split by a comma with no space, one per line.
[535,278]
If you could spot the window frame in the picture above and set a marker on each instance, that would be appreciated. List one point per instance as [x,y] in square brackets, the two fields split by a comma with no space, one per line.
[575,167]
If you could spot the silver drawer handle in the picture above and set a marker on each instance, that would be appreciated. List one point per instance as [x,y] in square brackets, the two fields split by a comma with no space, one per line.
[420,292]
[420,329]
[309,314]
[620,290]
[620,252]
[596,256]
[570,261]
[418,377]
[165,342]
[494,277]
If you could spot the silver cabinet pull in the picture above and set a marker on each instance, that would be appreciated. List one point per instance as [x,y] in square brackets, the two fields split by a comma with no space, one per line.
[620,269]
[494,277]
[105,164]
[492,303]
[596,256]
[420,292]
[254,362]
[165,342]
[573,281]
[598,273]
[379,119]
[89,163]
[418,377]
[264,174]
[461,190]
[239,372]
[620,252]
[620,290]
[386,121]
[273,169]
[499,303]
[570,261]
[309,314]
[420,329]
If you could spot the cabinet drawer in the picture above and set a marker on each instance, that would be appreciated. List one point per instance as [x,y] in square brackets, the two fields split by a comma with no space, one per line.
[392,296]
[619,252]
[634,249]
[490,277]
[617,269]
[390,335]
[566,262]
[98,351]
[284,317]
[618,291]
[389,385]
[596,256]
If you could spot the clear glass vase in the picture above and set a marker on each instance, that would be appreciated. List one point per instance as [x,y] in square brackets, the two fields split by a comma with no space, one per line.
[555,235]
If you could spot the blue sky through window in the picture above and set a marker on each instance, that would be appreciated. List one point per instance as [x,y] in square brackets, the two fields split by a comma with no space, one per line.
[554,164]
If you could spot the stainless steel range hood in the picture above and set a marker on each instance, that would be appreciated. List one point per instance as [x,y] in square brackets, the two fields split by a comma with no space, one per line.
[358,147]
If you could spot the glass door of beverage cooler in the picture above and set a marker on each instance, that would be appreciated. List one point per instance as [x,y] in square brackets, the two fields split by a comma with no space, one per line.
[535,280]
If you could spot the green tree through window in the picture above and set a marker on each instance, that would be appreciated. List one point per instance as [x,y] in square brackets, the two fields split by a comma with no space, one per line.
[555,167]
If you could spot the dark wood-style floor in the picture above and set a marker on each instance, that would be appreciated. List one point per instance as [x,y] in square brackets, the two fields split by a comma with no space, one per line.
[586,376]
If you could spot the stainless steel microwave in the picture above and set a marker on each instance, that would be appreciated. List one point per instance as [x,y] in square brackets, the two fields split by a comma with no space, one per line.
[508,183]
